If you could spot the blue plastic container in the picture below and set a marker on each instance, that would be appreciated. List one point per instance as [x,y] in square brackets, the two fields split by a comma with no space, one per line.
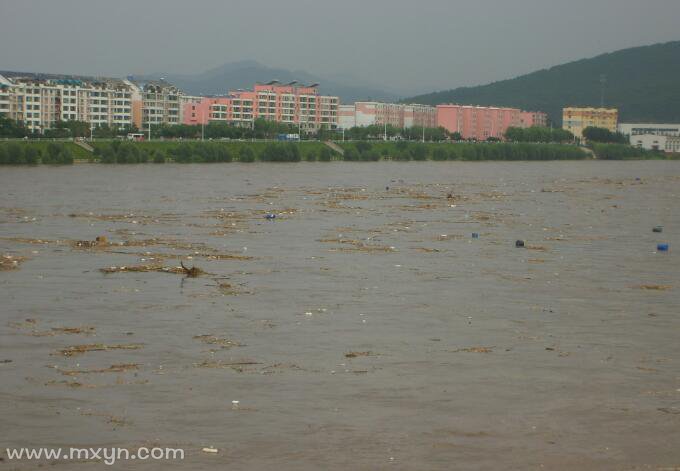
[662,247]
[475,235]
[519,243]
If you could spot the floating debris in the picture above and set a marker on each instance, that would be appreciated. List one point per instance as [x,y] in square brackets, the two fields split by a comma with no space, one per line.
[192,272]
[74,330]
[111,369]
[70,384]
[212,340]
[654,287]
[11,262]
[358,354]
[181,270]
[96,347]
[99,242]
[474,350]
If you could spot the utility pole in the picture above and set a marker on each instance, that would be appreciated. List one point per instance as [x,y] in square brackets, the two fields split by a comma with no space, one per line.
[423,132]
[149,127]
[202,125]
[385,135]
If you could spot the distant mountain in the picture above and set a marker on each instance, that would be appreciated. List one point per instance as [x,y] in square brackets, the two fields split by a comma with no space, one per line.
[244,74]
[642,82]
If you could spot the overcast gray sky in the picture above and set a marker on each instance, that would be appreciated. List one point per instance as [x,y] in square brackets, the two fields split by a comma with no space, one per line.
[408,45]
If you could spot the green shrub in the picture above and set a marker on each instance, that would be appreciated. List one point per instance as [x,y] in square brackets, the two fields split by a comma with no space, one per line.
[15,154]
[223,154]
[108,156]
[402,155]
[351,155]
[440,154]
[325,155]
[370,156]
[419,152]
[246,154]
[621,152]
[363,146]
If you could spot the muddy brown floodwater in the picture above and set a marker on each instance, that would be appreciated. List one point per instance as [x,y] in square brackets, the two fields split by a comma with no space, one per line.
[362,328]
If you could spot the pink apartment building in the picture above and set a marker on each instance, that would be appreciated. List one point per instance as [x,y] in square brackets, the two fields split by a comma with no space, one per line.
[533,118]
[291,103]
[482,122]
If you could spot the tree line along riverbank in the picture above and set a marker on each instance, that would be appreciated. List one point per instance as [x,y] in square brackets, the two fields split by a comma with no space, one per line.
[127,152]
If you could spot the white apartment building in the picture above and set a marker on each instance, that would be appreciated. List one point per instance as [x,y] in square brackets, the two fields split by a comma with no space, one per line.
[42,100]
[658,142]
[346,116]
[635,129]
[368,113]
[160,104]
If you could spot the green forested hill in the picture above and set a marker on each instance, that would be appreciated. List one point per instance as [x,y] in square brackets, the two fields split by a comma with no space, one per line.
[642,82]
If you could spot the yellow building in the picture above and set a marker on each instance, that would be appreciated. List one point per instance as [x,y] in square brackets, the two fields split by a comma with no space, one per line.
[576,120]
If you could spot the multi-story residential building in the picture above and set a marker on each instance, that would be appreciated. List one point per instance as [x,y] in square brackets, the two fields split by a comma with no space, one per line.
[291,103]
[42,100]
[530,119]
[183,101]
[5,96]
[207,110]
[369,113]
[160,104]
[346,116]
[478,122]
[576,120]
[422,116]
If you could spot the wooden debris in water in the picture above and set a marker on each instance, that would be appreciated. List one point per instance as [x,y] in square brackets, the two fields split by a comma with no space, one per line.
[654,287]
[96,347]
[212,340]
[11,262]
[474,350]
[192,272]
[181,270]
[358,354]
[99,242]
[121,368]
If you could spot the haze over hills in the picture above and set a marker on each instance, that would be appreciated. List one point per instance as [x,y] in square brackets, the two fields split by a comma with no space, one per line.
[243,74]
[642,82]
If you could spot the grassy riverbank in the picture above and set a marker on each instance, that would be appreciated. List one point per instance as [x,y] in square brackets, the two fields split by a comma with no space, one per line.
[125,152]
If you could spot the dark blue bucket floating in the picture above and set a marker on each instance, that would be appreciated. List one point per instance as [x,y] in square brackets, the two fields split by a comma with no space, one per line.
[475,235]
[519,243]
[270,216]
[662,247]
[658,229]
